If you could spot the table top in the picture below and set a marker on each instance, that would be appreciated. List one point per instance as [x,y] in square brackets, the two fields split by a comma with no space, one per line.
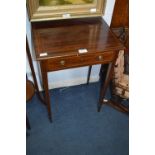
[66,37]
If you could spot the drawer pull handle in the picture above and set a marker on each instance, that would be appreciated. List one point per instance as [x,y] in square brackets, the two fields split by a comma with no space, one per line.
[62,62]
[100,57]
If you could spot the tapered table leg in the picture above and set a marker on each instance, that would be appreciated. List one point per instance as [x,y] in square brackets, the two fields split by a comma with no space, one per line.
[105,85]
[46,89]
[88,76]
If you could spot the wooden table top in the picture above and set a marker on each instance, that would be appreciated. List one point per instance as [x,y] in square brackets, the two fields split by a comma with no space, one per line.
[66,37]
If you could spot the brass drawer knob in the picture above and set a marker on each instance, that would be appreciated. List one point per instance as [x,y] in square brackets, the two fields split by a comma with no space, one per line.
[100,57]
[62,62]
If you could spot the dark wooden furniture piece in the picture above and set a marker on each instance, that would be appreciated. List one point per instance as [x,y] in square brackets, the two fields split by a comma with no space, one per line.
[120,22]
[33,71]
[120,14]
[120,28]
[57,45]
[30,86]
[30,91]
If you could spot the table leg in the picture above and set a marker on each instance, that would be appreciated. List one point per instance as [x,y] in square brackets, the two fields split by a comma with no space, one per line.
[46,89]
[105,85]
[103,72]
[88,76]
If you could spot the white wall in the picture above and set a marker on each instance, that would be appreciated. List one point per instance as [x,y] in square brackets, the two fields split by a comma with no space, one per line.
[108,11]
[68,77]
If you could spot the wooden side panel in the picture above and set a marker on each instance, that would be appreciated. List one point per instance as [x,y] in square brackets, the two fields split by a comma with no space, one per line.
[121,14]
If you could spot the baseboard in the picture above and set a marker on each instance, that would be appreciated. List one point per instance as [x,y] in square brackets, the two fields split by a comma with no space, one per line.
[65,83]
[72,82]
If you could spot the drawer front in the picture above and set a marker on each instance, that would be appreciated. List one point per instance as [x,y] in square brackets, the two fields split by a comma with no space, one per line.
[54,64]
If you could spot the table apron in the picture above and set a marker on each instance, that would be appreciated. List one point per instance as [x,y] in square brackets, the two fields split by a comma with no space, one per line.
[61,63]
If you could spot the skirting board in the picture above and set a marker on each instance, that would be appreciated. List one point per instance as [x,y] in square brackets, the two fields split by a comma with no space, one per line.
[72,82]
[66,83]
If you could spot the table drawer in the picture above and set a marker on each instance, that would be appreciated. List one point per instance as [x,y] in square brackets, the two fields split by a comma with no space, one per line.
[78,61]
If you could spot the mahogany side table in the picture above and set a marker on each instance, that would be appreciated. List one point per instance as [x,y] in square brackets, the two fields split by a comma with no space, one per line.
[74,43]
